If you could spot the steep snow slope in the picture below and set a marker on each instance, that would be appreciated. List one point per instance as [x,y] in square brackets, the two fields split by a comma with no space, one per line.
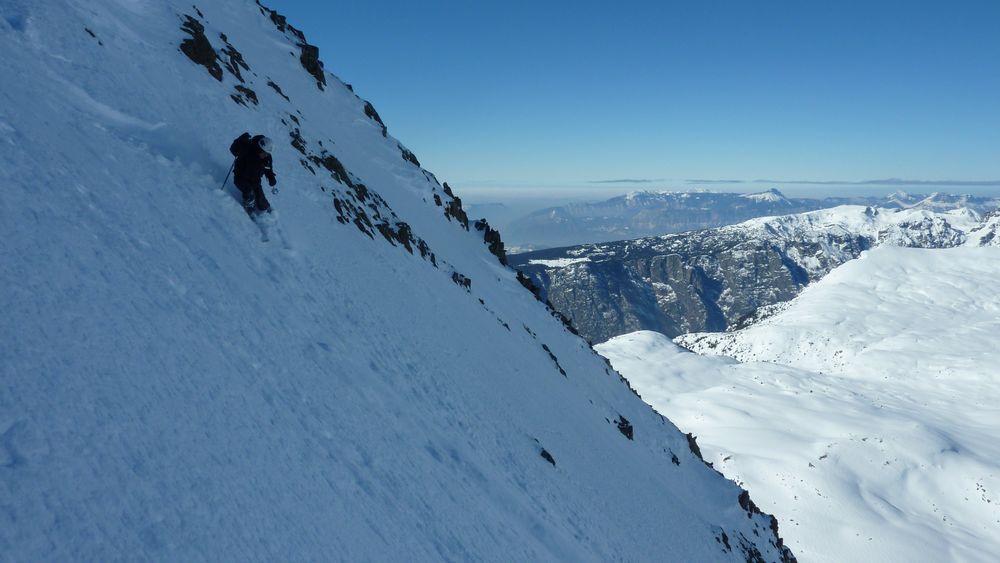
[865,413]
[174,388]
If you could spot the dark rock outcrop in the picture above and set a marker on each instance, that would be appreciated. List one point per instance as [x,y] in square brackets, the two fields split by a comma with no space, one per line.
[408,155]
[94,35]
[693,445]
[308,54]
[199,49]
[244,95]
[554,359]
[492,238]
[309,57]
[233,59]
[461,280]
[548,457]
[374,116]
[453,209]
[625,427]
[277,89]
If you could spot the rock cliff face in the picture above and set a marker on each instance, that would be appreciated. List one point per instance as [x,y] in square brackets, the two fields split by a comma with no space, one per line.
[712,279]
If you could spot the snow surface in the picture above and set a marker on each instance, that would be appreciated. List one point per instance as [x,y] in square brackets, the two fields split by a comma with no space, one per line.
[559,262]
[173,388]
[857,219]
[865,412]
[772,196]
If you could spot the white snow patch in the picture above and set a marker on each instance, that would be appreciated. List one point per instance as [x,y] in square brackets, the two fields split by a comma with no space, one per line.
[864,414]
[558,262]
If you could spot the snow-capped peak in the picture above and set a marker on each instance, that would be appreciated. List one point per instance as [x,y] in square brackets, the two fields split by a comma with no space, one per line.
[772,195]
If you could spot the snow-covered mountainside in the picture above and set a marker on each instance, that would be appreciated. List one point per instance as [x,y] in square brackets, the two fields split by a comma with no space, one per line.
[646,213]
[938,201]
[372,383]
[866,412]
[717,279]
[985,234]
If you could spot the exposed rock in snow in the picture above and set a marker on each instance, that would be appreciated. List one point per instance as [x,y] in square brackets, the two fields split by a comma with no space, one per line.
[173,388]
[715,279]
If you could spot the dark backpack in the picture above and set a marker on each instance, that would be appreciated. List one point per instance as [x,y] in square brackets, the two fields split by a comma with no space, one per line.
[240,144]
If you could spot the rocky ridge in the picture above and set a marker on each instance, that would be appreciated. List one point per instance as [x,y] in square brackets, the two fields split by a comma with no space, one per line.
[710,280]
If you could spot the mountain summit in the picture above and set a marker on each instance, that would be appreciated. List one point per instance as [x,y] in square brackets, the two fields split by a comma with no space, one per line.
[371,383]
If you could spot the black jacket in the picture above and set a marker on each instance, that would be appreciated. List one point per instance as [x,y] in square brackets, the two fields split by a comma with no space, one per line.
[250,166]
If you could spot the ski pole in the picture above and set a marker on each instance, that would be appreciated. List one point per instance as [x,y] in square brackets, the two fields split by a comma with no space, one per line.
[223,186]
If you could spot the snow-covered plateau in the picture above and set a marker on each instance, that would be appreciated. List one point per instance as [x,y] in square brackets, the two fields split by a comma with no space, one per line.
[371,384]
[864,413]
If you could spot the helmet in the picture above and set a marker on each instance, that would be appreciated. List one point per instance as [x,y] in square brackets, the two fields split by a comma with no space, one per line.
[264,143]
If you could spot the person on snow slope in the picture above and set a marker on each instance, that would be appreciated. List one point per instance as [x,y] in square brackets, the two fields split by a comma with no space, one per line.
[253,160]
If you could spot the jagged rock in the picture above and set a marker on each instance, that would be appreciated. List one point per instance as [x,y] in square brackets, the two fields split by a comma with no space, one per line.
[554,359]
[492,238]
[408,156]
[335,168]
[309,57]
[297,142]
[244,93]
[308,54]
[404,235]
[373,115]
[529,285]
[461,280]
[277,89]
[693,445]
[625,427]
[724,539]
[199,49]
[281,22]
[747,504]
[235,60]
[454,208]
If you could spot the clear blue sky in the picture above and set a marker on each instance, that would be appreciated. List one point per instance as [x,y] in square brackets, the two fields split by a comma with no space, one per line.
[557,94]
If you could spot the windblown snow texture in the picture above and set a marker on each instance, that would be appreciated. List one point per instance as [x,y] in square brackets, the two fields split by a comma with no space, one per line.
[864,414]
[376,386]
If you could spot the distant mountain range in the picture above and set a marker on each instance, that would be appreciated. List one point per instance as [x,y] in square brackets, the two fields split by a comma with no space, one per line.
[715,279]
[645,213]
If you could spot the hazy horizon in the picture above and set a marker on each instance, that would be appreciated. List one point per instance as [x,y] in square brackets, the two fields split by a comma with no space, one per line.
[527,194]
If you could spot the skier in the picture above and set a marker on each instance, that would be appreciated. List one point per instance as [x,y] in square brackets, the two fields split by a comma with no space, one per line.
[253,159]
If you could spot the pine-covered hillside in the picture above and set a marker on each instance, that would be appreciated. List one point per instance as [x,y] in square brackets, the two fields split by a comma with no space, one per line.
[370,383]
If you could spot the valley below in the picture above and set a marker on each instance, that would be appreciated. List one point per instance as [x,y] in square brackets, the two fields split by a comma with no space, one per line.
[863,413]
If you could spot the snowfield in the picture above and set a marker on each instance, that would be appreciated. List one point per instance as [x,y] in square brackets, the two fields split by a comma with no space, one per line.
[864,414]
[371,384]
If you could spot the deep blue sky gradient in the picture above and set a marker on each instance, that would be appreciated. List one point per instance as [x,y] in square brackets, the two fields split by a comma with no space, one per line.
[559,94]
